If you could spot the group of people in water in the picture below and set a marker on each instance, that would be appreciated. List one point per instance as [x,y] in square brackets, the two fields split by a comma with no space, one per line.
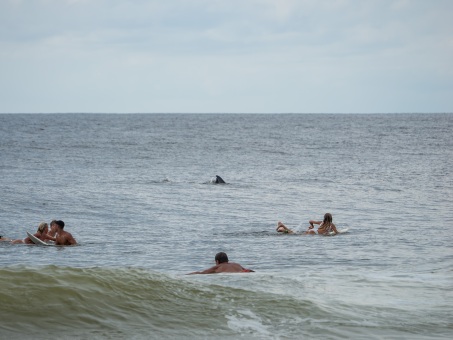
[59,236]
[55,234]
[222,265]
[326,227]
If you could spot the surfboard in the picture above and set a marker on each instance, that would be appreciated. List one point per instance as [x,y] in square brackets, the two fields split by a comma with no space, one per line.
[37,241]
[340,231]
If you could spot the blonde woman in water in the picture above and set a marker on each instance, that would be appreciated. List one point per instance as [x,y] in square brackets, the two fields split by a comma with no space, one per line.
[325,226]
[41,233]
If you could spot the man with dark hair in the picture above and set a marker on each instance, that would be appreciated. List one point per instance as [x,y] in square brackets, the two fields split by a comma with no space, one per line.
[53,228]
[223,266]
[63,238]
[221,257]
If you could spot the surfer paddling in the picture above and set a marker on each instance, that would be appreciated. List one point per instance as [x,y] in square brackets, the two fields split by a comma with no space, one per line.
[223,266]
[325,226]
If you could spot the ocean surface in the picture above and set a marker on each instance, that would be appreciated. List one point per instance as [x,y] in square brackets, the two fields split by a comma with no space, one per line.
[136,192]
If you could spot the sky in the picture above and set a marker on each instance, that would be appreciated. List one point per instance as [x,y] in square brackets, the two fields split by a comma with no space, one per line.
[226,56]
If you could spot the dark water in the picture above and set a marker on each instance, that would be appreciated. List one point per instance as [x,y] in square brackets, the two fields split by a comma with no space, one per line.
[136,192]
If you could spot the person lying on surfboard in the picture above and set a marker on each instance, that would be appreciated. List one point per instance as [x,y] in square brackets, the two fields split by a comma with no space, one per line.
[63,238]
[325,226]
[223,266]
[41,233]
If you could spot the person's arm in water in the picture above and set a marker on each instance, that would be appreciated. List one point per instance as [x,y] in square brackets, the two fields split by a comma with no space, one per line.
[211,270]
[320,230]
[312,222]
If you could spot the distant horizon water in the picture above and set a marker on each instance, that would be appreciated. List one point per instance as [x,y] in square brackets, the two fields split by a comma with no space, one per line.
[236,113]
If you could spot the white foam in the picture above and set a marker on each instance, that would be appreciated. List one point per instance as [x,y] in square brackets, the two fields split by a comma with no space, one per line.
[245,321]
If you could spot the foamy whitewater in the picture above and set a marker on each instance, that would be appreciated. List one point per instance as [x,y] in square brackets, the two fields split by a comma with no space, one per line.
[137,193]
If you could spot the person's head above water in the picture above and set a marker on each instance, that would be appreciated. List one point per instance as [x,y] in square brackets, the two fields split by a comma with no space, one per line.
[327,218]
[221,257]
[42,226]
[60,224]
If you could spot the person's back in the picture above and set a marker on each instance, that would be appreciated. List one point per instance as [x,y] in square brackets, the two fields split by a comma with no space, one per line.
[229,267]
[326,226]
[223,266]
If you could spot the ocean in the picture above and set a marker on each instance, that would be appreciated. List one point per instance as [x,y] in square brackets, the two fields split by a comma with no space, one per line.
[137,192]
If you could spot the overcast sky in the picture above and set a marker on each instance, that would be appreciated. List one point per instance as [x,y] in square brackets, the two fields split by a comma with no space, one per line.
[301,56]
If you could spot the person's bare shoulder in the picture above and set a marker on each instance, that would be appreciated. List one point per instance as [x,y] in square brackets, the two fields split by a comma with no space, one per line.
[71,239]
[230,267]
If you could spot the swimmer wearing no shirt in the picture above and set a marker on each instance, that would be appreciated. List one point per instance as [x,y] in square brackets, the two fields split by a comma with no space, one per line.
[223,266]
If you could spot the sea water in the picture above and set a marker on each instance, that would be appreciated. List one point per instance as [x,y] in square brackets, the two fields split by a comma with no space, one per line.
[137,193]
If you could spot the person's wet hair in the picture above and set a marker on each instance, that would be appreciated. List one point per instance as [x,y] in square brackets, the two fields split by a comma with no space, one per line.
[60,224]
[327,218]
[42,226]
[221,257]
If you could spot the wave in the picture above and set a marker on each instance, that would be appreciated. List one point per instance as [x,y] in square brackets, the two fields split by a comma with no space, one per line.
[131,302]
[49,301]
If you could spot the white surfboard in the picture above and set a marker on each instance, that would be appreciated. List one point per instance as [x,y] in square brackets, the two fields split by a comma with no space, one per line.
[340,231]
[37,241]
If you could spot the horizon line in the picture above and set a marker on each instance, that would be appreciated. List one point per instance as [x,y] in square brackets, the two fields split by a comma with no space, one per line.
[232,113]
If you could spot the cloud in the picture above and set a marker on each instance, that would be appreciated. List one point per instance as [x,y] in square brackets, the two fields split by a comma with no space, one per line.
[218,56]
